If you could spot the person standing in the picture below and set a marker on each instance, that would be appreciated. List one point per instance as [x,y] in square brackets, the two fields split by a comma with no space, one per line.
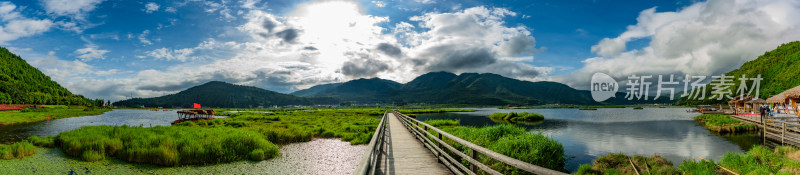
[761,111]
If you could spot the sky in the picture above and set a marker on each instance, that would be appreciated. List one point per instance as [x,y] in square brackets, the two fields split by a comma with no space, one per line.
[114,49]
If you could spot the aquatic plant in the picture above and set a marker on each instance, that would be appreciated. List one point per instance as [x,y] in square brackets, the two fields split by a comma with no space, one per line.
[48,141]
[439,123]
[619,163]
[170,146]
[436,110]
[517,117]
[17,150]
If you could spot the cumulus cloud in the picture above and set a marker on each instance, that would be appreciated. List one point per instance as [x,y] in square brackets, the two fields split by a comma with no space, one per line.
[16,26]
[287,35]
[143,37]
[389,49]
[470,40]
[706,38]
[91,52]
[358,68]
[151,7]
[73,8]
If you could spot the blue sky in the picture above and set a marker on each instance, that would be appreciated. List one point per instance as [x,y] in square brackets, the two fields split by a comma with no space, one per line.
[115,49]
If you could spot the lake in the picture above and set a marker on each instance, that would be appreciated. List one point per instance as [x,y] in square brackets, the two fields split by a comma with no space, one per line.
[588,134]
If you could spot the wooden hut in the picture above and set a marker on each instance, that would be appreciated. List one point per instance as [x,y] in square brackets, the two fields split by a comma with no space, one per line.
[779,103]
[754,104]
[792,97]
[739,103]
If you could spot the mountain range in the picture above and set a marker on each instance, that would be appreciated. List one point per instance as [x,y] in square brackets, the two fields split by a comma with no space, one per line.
[430,88]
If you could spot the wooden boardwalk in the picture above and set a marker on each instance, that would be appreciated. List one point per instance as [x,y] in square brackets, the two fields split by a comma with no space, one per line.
[782,130]
[404,154]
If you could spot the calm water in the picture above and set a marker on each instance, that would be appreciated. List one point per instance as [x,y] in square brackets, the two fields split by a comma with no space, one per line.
[586,135]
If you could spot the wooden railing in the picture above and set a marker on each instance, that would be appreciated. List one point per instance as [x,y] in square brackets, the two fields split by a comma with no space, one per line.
[370,159]
[435,144]
[783,132]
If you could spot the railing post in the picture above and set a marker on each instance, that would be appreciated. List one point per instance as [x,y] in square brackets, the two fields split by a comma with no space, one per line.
[438,144]
[764,125]
[474,156]
[783,133]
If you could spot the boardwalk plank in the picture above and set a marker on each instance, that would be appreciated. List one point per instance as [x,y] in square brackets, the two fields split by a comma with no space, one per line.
[404,154]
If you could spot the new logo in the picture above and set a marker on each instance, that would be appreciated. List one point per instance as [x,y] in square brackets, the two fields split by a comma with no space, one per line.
[603,87]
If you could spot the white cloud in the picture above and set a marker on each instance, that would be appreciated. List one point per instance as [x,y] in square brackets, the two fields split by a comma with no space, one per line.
[71,8]
[250,4]
[426,1]
[170,9]
[379,3]
[706,38]
[472,40]
[168,54]
[16,26]
[143,37]
[151,7]
[91,52]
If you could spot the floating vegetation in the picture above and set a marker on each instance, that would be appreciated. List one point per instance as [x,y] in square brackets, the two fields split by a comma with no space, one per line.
[517,117]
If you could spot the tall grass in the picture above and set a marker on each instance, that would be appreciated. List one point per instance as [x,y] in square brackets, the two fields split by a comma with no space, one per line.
[618,163]
[353,125]
[724,124]
[14,117]
[508,140]
[170,146]
[517,117]
[758,160]
[440,123]
[48,141]
[17,150]
[436,110]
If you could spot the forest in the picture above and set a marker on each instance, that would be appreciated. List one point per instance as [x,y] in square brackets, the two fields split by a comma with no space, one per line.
[21,83]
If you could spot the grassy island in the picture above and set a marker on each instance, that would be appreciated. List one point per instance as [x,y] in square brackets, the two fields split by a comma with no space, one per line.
[517,117]
[724,124]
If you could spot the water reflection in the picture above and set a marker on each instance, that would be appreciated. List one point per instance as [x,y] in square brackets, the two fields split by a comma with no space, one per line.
[585,135]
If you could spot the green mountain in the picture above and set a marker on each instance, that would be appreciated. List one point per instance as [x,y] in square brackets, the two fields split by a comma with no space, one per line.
[467,88]
[314,89]
[21,83]
[221,94]
[374,90]
[779,68]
